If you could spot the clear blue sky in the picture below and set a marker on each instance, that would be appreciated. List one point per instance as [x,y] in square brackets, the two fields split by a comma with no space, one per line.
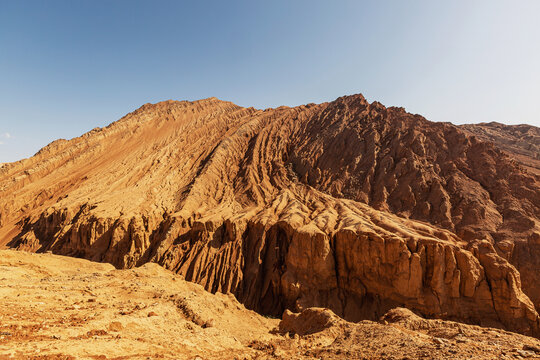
[69,66]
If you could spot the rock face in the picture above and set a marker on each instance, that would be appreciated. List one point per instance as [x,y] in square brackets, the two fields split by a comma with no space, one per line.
[346,205]
[522,142]
[309,321]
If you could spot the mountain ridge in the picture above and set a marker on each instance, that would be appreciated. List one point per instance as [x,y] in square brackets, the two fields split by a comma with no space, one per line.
[347,205]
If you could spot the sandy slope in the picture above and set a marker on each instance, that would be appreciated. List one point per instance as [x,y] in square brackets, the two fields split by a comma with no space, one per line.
[52,305]
[56,307]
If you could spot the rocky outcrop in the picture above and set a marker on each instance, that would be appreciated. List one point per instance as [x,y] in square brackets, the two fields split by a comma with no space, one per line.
[521,142]
[360,271]
[345,205]
[309,321]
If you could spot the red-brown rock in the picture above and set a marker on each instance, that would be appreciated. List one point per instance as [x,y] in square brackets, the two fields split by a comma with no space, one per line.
[346,205]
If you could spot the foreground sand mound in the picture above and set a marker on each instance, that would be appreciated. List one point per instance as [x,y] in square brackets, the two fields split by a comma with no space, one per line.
[56,307]
[64,308]
[309,321]
[346,205]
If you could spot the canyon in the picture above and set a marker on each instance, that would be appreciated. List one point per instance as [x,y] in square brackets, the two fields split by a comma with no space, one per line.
[347,205]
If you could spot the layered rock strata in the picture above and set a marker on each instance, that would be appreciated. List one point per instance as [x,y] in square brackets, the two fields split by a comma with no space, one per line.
[346,205]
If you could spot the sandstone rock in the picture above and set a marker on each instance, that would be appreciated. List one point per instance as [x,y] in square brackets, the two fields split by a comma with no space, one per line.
[307,322]
[522,142]
[116,326]
[346,205]
[405,318]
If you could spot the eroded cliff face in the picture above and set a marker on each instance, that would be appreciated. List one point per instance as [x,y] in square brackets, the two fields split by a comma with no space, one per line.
[521,142]
[346,205]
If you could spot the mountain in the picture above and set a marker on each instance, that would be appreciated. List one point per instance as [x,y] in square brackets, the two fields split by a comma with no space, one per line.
[347,205]
[522,142]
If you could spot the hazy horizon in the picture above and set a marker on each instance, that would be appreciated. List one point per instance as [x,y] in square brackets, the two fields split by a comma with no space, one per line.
[68,67]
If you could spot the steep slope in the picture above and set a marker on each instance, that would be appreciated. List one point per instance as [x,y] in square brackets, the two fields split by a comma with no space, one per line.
[522,142]
[346,205]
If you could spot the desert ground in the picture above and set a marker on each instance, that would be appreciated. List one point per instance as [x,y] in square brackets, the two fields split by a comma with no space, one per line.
[56,307]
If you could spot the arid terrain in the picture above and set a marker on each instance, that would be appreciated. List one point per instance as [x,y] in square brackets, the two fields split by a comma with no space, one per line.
[347,206]
[54,307]
[521,142]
